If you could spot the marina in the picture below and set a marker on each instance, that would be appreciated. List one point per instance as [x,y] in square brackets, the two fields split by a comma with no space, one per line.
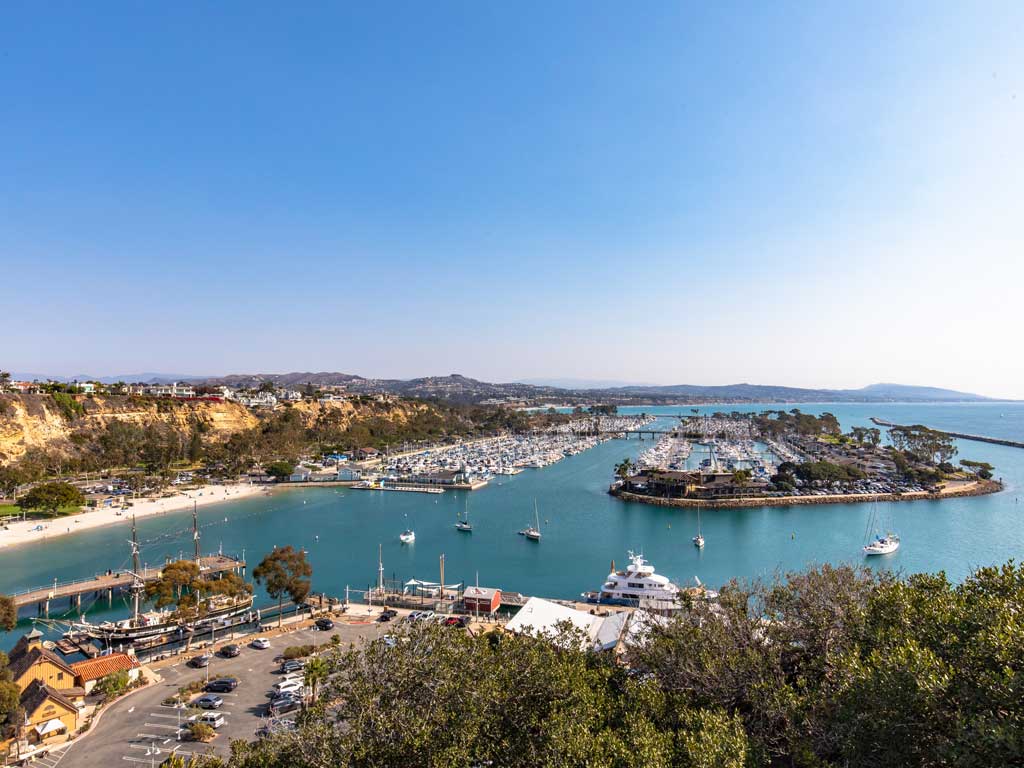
[583,528]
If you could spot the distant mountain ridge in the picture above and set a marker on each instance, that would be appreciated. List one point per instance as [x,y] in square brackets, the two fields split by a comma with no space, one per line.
[459,388]
[463,388]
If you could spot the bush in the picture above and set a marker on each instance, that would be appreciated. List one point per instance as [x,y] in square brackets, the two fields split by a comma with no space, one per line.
[200,732]
[114,684]
[297,651]
[68,406]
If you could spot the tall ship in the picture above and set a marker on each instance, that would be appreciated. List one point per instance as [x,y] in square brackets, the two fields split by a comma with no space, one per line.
[636,582]
[157,627]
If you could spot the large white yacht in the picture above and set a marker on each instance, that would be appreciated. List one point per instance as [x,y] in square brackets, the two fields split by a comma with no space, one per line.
[636,582]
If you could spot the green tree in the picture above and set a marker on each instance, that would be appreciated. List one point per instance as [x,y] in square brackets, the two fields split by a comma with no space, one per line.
[8,613]
[114,684]
[51,497]
[314,674]
[285,571]
[624,469]
[741,478]
[11,478]
[281,470]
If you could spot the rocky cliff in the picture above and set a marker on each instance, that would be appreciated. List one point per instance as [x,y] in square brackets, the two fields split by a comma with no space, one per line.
[58,424]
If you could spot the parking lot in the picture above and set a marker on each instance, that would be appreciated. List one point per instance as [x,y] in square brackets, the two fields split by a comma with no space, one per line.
[140,729]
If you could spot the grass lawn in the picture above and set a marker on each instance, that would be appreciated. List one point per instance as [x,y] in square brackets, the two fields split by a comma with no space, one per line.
[10,510]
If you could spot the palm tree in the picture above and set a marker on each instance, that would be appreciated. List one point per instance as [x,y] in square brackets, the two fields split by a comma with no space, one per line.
[624,469]
[315,673]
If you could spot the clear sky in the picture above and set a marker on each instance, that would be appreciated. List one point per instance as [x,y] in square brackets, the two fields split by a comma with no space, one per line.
[812,194]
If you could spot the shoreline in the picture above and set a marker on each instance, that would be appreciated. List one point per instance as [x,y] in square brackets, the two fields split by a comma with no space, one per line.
[975,488]
[23,532]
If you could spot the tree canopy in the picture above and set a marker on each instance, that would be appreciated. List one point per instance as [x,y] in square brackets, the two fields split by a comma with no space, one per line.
[830,667]
[285,572]
[51,497]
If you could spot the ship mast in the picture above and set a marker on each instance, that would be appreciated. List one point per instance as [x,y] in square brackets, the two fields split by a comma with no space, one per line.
[380,568]
[195,533]
[138,586]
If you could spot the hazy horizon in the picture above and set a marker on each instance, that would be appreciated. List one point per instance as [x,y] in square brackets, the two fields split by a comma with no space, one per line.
[793,195]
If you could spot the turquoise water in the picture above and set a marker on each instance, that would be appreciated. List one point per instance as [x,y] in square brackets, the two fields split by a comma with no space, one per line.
[583,528]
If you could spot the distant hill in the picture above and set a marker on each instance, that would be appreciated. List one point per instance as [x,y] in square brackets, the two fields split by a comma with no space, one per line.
[132,378]
[582,383]
[461,388]
[768,393]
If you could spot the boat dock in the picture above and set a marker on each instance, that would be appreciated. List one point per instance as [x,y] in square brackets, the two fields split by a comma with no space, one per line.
[958,435]
[107,583]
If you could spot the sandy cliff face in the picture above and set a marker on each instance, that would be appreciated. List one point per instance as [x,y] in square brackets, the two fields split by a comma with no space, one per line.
[38,421]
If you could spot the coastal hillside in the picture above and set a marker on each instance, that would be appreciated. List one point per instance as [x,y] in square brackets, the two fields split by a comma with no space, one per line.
[64,426]
[68,424]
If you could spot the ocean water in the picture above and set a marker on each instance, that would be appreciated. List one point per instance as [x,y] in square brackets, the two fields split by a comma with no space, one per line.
[584,529]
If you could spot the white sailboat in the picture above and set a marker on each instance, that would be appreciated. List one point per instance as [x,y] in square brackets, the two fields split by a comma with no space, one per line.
[532,532]
[698,540]
[879,545]
[462,523]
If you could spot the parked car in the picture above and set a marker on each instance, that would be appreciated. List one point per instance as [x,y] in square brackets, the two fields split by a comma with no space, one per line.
[324,624]
[212,719]
[456,621]
[292,665]
[200,661]
[260,643]
[209,701]
[290,705]
[230,650]
[387,615]
[222,685]
[287,686]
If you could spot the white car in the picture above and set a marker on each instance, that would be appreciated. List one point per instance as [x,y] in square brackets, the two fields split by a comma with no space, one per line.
[212,719]
[288,686]
[261,643]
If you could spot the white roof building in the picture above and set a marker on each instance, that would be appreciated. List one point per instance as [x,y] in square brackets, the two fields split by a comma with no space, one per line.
[543,617]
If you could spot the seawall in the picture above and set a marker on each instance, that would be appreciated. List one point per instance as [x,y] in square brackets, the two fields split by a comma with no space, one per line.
[979,488]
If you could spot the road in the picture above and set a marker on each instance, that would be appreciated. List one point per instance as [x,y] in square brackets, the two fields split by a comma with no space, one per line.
[138,729]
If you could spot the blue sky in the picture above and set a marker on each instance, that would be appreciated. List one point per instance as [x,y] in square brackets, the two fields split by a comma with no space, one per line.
[803,194]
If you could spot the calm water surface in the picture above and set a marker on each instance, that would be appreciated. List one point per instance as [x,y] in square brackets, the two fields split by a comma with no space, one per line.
[583,528]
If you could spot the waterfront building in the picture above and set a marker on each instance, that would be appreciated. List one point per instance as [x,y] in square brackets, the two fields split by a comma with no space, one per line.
[91,671]
[299,475]
[482,599]
[50,716]
[682,484]
[348,474]
[29,661]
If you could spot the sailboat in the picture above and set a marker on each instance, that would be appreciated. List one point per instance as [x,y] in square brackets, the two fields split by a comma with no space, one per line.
[879,545]
[698,540]
[532,532]
[463,524]
[408,536]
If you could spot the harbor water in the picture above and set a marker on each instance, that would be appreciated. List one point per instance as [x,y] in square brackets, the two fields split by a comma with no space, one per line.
[583,528]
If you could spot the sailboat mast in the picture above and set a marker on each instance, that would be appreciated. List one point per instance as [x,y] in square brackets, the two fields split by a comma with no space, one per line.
[380,567]
[195,531]
[137,584]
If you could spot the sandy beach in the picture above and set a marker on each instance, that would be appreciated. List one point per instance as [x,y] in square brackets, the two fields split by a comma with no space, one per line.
[16,533]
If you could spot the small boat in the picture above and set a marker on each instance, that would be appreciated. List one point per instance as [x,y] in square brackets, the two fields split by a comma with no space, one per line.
[532,532]
[698,540]
[883,545]
[880,545]
[407,536]
[462,523]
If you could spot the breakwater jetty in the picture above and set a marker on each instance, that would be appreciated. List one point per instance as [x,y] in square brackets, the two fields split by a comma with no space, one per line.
[958,435]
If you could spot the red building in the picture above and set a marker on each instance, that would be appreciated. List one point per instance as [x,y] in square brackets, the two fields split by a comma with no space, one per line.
[482,599]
